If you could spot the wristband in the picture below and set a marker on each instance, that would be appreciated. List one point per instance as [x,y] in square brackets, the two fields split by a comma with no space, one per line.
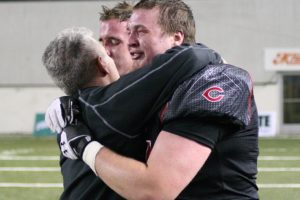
[89,154]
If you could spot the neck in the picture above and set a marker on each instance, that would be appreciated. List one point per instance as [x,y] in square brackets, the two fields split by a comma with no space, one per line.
[103,81]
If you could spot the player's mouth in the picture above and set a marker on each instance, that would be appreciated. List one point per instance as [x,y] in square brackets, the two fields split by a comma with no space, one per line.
[137,55]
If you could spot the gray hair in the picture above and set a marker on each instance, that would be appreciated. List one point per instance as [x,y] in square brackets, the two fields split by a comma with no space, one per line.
[70,59]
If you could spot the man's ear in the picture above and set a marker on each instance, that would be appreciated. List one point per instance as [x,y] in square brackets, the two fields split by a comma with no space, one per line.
[178,38]
[102,66]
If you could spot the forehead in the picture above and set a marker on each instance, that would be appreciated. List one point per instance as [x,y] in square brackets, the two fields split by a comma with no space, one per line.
[112,27]
[144,17]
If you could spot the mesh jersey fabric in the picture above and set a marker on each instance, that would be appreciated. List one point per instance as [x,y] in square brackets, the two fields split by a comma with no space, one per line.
[223,119]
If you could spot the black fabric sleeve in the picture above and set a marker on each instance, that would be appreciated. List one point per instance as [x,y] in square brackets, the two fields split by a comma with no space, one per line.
[202,132]
[222,93]
[211,103]
[125,106]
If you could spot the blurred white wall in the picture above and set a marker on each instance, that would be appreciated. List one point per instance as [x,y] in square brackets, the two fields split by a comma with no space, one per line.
[19,105]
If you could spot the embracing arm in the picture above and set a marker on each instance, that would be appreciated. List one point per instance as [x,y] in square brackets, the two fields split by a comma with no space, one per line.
[173,163]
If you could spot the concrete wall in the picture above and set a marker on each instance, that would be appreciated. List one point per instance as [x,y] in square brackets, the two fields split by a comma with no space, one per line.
[239,29]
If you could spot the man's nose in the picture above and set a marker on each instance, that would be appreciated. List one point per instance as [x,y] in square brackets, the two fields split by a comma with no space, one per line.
[133,41]
[108,52]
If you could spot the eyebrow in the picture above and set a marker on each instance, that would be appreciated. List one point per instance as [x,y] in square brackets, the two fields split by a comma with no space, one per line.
[114,38]
[135,27]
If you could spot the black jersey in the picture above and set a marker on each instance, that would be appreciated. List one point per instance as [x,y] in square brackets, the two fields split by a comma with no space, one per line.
[216,108]
[117,114]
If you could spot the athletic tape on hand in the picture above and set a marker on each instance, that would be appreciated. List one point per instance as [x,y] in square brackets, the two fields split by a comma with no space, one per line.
[90,153]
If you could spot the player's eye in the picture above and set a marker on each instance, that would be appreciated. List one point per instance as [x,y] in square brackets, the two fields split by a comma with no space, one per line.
[114,42]
[141,30]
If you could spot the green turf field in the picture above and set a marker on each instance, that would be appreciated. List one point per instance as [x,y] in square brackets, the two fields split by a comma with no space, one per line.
[29,168]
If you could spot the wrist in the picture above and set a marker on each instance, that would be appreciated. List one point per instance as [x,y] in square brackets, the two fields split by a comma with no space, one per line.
[90,153]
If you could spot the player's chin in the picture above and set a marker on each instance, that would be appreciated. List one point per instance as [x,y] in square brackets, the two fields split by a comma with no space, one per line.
[139,63]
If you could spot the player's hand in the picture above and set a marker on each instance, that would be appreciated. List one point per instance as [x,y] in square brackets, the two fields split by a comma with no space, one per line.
[73,140]
[61,112]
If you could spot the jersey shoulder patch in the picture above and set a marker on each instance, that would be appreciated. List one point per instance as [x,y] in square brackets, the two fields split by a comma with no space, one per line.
[217,91]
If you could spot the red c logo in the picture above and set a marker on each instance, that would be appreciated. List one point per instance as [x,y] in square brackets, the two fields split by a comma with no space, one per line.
[216,98]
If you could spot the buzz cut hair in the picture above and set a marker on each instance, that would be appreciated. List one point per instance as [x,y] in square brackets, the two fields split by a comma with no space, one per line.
[122,11]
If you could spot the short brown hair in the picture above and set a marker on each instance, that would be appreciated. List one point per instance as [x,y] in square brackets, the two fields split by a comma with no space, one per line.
[121,11]
[175,16]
